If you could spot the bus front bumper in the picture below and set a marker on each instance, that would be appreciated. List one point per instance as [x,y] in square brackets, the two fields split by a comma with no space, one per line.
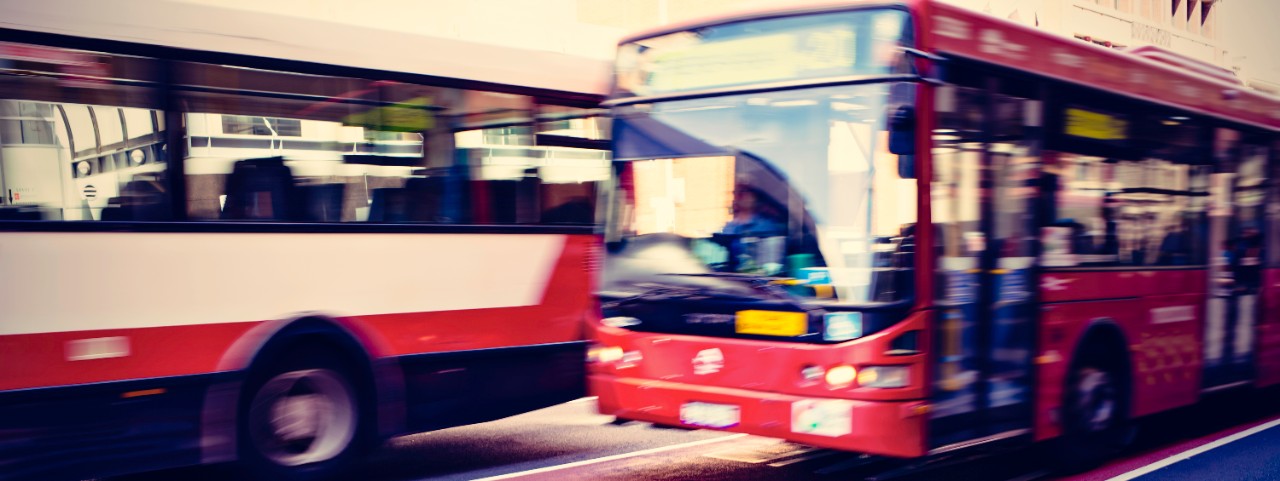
[888,428]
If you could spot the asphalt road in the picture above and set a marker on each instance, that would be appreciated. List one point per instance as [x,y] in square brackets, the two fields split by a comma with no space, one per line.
[1228,437]
[1253,456]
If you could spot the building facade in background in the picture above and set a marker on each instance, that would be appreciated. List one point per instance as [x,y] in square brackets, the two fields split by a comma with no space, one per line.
[1230,34]
[1199,29]
[1188,27]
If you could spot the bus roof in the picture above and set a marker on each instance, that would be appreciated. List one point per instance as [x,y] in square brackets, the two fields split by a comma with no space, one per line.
[204,28]
[1148,73]
[1152,74]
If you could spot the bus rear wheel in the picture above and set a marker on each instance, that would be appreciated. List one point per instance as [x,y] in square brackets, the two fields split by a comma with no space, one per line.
[301,419]
[1095,420]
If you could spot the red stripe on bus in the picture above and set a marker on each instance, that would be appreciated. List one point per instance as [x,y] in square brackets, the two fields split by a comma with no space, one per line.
[45,360]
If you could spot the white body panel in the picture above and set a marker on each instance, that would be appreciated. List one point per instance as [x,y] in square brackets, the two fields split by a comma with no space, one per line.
[73,281]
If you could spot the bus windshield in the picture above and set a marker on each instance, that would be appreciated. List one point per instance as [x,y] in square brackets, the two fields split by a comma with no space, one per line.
[794,188]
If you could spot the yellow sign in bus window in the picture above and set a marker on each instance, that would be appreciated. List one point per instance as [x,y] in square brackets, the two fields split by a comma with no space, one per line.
[772,323]
[413,115]
[1095,125]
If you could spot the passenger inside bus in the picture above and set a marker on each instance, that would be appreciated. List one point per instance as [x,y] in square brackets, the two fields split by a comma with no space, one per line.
[1244,255]
[754,214]
[1175,247]
[755,235]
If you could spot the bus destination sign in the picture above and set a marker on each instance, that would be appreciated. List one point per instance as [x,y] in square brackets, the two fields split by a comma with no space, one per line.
[1095,125]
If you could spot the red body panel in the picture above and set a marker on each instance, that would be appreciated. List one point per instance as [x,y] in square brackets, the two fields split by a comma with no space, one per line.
[1164,350]
[40,360]
[763,379]
[888,428]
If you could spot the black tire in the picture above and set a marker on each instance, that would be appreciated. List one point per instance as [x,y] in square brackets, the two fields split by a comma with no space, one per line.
[304,416]
[1095,417]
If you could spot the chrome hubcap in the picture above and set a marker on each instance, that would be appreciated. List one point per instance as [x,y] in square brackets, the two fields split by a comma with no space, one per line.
[1096,399]
[302,417]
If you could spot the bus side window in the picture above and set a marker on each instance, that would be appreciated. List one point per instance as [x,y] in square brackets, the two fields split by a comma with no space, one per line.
[1147,209]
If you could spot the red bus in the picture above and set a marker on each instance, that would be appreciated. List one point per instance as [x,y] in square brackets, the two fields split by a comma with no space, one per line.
[283,242]
[902,228]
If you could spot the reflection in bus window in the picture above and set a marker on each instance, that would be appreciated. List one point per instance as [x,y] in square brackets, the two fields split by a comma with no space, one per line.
[275,146]
[1136,213]
[82,144]
[253,125]
[351,150]
[65,161]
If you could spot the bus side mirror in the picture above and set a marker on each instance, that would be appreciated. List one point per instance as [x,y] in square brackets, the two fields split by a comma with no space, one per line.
[907,166]
[934,70]
[902,140]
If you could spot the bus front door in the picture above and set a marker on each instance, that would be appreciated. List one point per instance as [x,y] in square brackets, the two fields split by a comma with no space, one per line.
[986,165]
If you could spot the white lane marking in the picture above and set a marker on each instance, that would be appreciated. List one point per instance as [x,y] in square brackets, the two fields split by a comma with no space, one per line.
[1185,455]
[613,457]
[584,399]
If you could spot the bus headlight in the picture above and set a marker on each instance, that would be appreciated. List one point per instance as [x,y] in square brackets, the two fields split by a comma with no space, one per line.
[884,376]
[841,376]
[604,354]
[841,326]
[620,321]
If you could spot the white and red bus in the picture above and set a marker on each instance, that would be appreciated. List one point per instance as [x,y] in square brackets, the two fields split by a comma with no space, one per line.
[903,228]
[278,241]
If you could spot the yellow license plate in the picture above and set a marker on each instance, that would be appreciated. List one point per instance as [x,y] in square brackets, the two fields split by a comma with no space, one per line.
[772,323]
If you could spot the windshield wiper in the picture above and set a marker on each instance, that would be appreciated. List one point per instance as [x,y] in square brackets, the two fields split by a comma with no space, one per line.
[763,284]
[722,275]
[669,291]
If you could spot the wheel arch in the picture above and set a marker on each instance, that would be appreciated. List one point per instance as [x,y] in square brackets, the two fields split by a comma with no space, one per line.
[379,381]
[1103,337]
